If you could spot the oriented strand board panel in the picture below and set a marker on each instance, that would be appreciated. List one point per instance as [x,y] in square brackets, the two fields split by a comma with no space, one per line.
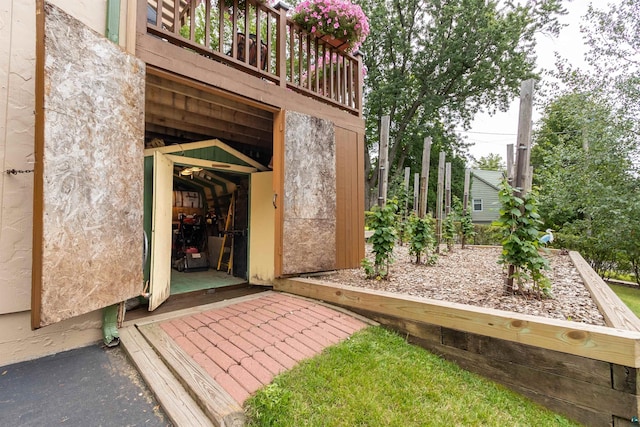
[89,170]
[309,224]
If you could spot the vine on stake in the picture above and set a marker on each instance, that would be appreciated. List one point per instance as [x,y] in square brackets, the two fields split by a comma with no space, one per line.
[382,220]
[422,239]
[518,221]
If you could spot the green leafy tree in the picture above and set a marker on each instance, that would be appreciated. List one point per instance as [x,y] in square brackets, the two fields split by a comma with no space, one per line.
[433,65]
[490,162]
[589,189]
[519,221]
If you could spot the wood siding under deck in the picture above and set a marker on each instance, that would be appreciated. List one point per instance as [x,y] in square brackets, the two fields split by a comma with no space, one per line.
[349,198]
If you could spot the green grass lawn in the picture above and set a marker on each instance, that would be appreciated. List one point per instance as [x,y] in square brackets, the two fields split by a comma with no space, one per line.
[629,296]
[377,379]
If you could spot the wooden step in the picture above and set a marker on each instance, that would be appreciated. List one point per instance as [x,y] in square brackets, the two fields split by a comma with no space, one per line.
[194,399]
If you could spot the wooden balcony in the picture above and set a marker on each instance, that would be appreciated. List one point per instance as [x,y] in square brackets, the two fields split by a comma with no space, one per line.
[289,57]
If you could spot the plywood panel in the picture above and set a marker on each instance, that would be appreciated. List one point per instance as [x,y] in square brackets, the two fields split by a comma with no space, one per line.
[309,226]
[89,171]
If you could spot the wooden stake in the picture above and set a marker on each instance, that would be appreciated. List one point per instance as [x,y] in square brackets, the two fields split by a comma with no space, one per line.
[383,161]
[416,192]
[510,171]
[465,199]
[447,188]
[407,175]
[424,182]
[524,135]
[439,200]
[522,153]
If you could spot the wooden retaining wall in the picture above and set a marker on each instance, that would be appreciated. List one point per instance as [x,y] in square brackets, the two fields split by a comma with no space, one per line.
[588,373]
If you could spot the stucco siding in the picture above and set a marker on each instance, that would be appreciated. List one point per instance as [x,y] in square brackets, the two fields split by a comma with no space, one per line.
[19,343]
[17,103]
[17,59]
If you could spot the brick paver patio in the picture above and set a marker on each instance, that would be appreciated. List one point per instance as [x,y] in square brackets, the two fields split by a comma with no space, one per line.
[244,345]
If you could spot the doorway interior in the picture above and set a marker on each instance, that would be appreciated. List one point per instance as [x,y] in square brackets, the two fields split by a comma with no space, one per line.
[211,145]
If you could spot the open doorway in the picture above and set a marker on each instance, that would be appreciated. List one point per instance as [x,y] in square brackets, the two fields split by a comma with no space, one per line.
[209,229]
[197,216]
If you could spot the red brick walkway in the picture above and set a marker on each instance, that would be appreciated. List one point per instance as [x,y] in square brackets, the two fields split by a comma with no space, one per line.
[244,345]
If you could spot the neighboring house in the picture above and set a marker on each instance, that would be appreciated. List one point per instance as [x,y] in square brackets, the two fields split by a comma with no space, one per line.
[485,207]
[277,160]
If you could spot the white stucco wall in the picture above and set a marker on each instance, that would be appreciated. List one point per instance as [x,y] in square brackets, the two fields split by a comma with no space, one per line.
[17,103]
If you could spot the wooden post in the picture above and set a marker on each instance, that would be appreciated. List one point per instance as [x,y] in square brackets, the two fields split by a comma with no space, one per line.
[465,199]
[447,188]
[510,171]
[416,192]
[424,182]
[281,42]
[524,135]
[522,153]
[439,200]
[383,161]
[407,175]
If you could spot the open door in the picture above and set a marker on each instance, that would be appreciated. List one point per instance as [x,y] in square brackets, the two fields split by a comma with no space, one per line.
[262,219]
[161,234]
[88,173]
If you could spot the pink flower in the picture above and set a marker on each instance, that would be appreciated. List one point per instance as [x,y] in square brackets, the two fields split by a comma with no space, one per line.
[338,18]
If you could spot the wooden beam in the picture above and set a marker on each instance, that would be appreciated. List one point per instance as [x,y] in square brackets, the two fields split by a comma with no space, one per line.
[181,147]
[175,400]
[217,404]
[208,164]
[424,181]
[447,188]
[262,118]
[615,312]
[176,123]
[595,342]
[383,161]
[524,136]
[204,108]
[203,121]
[440,191]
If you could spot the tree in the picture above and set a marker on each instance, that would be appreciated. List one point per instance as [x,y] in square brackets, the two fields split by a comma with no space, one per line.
[491,162]
[586,153]
[433,65]
[583,158]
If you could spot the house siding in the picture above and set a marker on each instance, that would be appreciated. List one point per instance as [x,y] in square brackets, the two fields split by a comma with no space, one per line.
[480,189]
[17,102]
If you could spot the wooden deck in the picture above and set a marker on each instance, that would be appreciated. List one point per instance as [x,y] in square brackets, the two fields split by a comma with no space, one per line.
[202,363]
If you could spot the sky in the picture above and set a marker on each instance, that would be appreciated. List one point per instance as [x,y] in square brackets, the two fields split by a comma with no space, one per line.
[492,134]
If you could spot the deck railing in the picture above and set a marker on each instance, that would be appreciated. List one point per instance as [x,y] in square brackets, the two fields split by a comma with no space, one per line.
[224,30]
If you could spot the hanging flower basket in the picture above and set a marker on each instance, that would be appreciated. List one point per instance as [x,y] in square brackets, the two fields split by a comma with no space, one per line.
[341,44]
[342,22]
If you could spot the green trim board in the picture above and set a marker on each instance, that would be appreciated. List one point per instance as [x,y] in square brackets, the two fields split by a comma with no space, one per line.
[214,150]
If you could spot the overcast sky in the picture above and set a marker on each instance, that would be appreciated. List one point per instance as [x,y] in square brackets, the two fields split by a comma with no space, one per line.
[492,134]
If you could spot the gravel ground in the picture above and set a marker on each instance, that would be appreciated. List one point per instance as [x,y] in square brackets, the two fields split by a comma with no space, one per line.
[473,276]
